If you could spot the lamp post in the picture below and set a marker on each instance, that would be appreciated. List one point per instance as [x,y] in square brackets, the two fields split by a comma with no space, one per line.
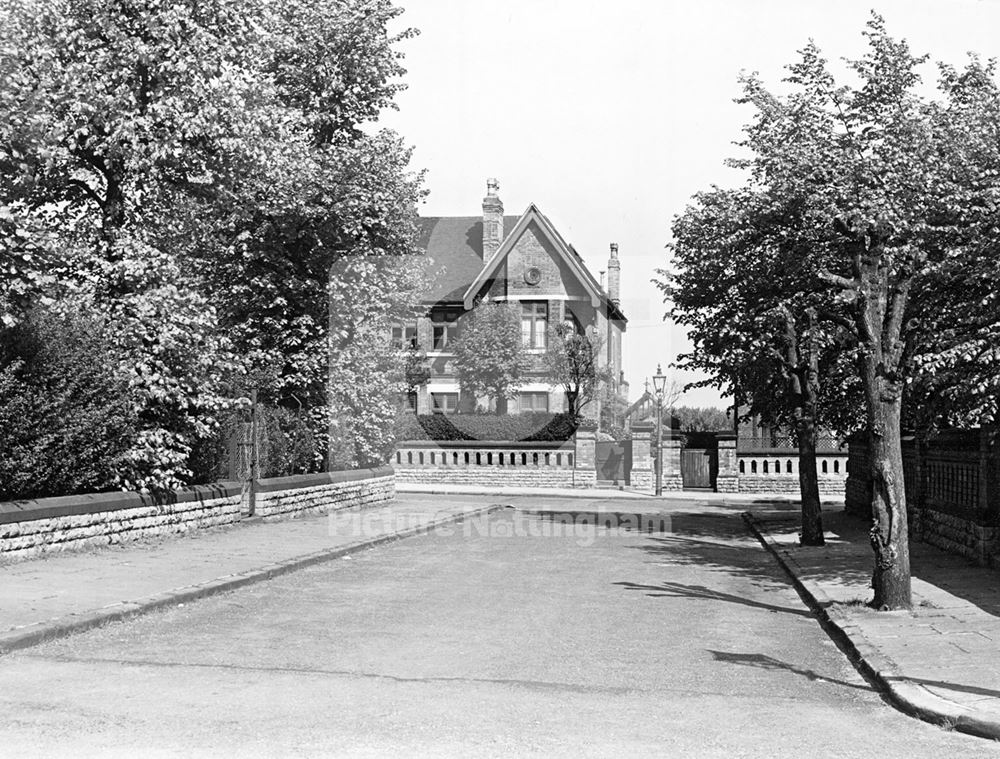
[659,385]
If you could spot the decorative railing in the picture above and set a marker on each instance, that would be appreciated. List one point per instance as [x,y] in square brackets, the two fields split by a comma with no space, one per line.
[483,453]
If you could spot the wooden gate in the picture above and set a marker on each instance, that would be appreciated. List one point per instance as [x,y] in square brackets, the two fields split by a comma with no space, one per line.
[696,467]
[614,461]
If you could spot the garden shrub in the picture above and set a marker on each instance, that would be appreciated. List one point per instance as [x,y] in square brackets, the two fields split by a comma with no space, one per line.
[527,427]
[67,417]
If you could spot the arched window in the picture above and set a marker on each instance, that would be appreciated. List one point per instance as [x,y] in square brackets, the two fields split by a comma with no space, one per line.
[824,466]
[743,468]
[765,466]
[788,466]
[753,467]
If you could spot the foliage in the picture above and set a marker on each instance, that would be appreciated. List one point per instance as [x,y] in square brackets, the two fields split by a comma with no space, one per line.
[884,196]
[67,420]
[533,426]
[571,359]
[707,419]
[490,359]
[197,172]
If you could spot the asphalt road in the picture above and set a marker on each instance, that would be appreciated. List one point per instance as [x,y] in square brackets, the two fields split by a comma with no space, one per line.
[514,637]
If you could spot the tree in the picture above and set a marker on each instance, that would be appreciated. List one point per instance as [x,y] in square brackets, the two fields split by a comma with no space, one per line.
[878,178]
[571,360]
[221,143]
[489,353]
[696,419]
[749,300]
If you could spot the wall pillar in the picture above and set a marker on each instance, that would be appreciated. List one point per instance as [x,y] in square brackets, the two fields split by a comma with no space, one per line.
[670,460]
[585,459]
[728,478]
[642,477]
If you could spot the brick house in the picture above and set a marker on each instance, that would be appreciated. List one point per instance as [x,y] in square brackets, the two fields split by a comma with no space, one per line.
[521,259]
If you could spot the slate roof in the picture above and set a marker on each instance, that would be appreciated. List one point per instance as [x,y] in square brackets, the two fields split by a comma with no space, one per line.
[454,245]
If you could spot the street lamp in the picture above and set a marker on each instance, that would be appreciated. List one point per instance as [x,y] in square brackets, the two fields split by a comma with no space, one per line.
[659,386]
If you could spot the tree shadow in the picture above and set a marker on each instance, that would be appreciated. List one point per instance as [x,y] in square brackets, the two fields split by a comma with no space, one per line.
[700,592]
[762,661]
[955,574]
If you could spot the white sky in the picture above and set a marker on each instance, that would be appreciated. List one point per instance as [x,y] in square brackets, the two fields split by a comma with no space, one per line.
[610,115]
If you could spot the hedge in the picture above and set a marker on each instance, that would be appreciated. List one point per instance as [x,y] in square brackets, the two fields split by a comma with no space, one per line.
[528,427]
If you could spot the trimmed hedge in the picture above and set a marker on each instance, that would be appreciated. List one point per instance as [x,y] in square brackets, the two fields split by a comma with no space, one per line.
[527,427]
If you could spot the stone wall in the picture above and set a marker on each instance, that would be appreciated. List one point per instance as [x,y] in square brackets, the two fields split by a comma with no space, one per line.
[777,471]
[31,528]
[951,490]
[504,464]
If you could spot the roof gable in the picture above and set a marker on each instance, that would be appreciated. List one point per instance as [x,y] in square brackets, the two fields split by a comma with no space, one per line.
[571,258]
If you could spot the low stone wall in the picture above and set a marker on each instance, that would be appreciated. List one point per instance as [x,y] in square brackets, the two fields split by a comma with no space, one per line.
[498,464]
[954,534]
[324,492]
[31,528]
[777,471]
[952,494]
[828,485]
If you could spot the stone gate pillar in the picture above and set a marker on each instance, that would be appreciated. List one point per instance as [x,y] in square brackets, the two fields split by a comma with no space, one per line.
[727,479]
[642,477]
[585,459]
[670,460]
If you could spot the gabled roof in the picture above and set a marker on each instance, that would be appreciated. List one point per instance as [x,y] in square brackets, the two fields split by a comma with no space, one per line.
[457,272]
[566,252]
[454,245]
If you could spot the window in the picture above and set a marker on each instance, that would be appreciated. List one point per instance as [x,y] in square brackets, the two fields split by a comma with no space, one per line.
[444,327]
[533,402]
[404,336]
[411,401]
[534,323]
[444,403]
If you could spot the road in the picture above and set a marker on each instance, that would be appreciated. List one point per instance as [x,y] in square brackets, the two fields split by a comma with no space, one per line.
[517,636]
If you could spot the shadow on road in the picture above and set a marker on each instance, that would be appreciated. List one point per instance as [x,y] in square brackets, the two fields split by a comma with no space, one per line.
[762,661]
[679,590]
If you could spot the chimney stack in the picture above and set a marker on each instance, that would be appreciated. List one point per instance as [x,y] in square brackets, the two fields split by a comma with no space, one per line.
[492,219]
[614,276]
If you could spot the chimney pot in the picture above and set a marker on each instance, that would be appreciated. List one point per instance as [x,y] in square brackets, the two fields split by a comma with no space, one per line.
[614,276]
[492,219]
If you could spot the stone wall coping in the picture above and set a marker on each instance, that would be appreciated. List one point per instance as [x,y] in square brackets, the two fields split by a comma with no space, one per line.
[485,444]
[93,503]
[298,481]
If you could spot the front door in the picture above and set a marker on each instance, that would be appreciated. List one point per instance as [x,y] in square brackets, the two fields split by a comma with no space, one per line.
[696,468]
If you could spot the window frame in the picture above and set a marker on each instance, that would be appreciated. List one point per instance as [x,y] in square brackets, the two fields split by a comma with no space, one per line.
[436,408]
[534,314]
[535,395]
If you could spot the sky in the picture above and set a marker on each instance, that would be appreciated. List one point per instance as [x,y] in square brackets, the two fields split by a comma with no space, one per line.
[610,115]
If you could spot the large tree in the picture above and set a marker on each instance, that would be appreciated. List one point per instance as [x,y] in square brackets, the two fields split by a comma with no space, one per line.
[195,170]
[757,327]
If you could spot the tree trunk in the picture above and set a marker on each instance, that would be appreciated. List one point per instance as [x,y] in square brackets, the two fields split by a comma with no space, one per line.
[812,520]
[889,539]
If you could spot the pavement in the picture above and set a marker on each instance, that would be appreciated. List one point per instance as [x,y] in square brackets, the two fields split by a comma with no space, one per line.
[939,661]
[60,594]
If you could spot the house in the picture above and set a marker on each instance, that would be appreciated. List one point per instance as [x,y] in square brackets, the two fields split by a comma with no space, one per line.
[520,259]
